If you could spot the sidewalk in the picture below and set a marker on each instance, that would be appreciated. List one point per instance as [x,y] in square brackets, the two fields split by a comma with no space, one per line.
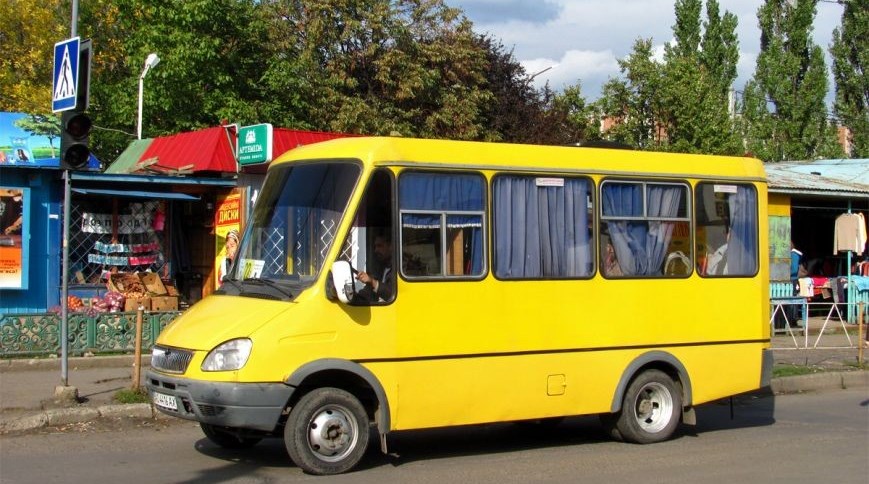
[28,384]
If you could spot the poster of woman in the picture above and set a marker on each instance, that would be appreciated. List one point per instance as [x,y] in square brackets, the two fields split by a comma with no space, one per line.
[11,229]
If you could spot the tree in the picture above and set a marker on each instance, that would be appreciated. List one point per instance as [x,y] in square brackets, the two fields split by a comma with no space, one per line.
[581,119]
[28,47]
[850,51]
[634,103]
[784,114]
[380,66]
[698,71]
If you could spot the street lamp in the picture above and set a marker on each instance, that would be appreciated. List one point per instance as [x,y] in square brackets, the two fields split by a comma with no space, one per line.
[150,62]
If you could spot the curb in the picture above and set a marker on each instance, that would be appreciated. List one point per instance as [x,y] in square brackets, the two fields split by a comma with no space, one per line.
[65,416]
[79,362]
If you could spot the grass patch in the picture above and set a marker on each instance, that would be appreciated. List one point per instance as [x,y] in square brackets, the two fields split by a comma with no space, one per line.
[794,370]
[132,396]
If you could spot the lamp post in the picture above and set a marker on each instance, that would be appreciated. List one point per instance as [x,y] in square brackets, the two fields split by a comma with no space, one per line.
[150,62]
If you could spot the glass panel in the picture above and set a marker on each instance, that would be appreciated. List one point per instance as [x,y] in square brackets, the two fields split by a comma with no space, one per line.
[637,238]
[442,218]
[421,245]
[294,222]
[727,233]
[542,227]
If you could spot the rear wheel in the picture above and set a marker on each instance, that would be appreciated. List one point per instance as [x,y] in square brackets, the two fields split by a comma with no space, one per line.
[226,438]
[651,410]
[327,432]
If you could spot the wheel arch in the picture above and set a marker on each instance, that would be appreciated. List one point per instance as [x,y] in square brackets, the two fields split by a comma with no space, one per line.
[349,376]
[658,360]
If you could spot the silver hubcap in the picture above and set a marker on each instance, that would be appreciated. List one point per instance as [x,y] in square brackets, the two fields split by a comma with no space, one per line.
[332,433]
[654,407]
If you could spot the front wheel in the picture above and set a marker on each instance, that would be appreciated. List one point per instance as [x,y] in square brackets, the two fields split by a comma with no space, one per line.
[651,409]
[327,432]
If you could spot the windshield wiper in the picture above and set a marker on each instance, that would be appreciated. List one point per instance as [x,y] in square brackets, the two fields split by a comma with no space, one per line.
[270,284]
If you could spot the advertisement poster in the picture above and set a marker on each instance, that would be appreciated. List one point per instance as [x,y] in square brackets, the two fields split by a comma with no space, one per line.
[11,230]
[227,227]
[32,141]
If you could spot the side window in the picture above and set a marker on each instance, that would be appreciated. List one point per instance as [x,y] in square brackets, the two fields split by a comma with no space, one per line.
[442,217]
[644,229]
[542,227]
[726,233]
[368,246]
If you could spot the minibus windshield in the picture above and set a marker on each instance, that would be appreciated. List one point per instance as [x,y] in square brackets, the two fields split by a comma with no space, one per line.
[294,223]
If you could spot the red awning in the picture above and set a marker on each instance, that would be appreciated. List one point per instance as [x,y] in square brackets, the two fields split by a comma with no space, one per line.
[206,150]
[287,139]
[210,150]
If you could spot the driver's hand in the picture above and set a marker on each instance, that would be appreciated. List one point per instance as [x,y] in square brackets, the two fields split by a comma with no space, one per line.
[364,278]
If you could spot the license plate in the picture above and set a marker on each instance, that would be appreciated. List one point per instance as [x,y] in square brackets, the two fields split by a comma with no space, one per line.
[165,401]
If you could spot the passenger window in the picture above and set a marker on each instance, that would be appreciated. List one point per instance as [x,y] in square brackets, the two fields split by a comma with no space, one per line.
[542,227]
[727,233]
[645,229]
[442,224]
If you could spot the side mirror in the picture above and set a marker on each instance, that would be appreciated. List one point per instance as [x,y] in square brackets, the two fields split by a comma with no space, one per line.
[342,279]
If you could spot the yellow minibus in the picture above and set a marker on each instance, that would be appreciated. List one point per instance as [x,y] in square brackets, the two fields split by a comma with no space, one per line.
[385,284]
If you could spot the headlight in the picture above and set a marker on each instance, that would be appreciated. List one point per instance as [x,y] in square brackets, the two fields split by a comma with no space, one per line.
[229,356]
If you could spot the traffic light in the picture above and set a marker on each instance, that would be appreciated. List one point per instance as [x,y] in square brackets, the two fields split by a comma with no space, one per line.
[74,151]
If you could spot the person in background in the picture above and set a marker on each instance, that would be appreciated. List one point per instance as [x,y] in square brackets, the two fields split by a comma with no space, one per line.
[231,248]
[796,260]
[11,213]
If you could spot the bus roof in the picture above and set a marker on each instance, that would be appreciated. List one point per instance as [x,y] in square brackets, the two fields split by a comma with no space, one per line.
[412,152]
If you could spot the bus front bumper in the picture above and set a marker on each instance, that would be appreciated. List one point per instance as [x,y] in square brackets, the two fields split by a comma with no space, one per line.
[255,406]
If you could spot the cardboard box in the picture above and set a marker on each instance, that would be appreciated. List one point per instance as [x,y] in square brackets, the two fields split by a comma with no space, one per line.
[164,303]
[132,303]
[125,282]
[152,283]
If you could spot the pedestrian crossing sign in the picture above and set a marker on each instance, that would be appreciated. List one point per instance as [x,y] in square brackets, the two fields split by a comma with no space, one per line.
[65,86]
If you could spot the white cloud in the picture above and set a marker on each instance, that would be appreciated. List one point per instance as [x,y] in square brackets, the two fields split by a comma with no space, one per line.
[586,37]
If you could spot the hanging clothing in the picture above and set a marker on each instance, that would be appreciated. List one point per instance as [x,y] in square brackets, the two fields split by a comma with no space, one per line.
[850,233]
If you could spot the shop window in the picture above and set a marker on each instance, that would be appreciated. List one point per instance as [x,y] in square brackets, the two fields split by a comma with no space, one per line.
[542,227]
[115,235]
[727,234]
[14,249]
[442,225]
[644,229]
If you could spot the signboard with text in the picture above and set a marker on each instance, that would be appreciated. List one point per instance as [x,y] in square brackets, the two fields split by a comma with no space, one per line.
[254,144]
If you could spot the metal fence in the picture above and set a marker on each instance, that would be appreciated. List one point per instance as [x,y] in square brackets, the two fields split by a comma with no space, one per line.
[39,334]
[110,233]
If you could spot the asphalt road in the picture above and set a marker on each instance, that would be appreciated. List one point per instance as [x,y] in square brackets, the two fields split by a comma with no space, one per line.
[807,438]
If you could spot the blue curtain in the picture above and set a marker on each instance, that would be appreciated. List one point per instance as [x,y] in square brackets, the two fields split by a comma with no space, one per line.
[541,231]
[445,193]
[742,246]
[641,245]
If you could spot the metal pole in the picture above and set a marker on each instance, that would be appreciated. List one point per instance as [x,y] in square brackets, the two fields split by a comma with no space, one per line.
[141,90]
[64,293]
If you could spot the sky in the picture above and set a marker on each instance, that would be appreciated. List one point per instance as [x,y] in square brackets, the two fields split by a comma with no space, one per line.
[582,40]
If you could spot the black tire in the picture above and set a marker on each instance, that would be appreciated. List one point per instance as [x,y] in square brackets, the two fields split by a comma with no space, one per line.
[327,432]
[226,439]
[651,410]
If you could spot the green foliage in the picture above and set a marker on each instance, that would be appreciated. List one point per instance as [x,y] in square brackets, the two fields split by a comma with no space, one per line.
[784,114]
[696,83]
[850,51]
[635,102]
[379,66]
